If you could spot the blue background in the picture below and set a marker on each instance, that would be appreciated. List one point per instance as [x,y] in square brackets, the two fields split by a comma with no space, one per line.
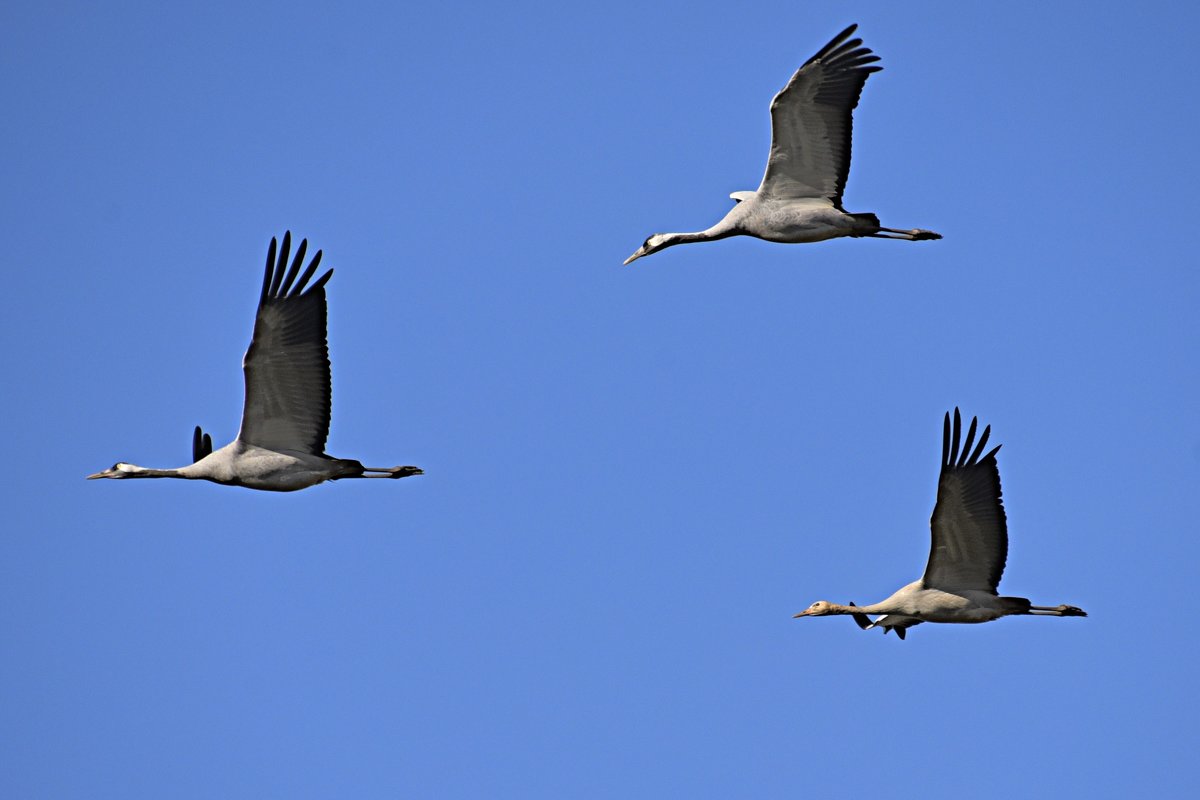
[635,475]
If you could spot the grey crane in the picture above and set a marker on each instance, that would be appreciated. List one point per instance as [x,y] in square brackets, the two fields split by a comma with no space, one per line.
[966,558]
[800,197]
[285,419]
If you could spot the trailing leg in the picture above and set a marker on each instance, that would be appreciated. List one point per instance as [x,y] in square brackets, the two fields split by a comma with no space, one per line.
[913,235]
[391,472]
[1058,611]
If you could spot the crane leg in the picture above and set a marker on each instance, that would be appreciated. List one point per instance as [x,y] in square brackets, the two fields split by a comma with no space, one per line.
[393,472]
[1058,611]
[389,472]
[912,235]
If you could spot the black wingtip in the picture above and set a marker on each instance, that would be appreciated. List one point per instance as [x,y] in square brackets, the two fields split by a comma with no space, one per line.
[957,435]
[946,440]
[321,281]
[848,54]
[308,273]
[955,458]
[280,262]
[282,280]
[294,270]
[835,43]
[974,459]
[266,287]
[201,444]
[970,440]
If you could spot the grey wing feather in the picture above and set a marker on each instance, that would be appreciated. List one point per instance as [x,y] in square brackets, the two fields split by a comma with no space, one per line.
[288,394]
[811,122]
[969,527]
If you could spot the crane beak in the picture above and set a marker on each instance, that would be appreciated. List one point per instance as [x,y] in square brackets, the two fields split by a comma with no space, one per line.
[641,251]
[801,614]
[111,472]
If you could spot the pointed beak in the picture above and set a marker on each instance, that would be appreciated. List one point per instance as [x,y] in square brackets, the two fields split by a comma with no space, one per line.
[641,251]
[801,614]
[103,474]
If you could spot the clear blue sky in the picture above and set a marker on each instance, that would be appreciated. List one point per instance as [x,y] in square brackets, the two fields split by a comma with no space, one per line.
[635,475]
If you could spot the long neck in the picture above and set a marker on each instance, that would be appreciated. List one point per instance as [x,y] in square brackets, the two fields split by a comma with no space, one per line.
[722,230]
[875,608]
[146,472]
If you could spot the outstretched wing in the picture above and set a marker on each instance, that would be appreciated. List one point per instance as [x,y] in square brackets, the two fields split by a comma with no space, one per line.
[811,122]
[201,444]
[287,365]
[970,531]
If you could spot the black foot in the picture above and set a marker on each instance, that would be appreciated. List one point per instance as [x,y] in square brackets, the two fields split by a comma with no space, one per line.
[404,472]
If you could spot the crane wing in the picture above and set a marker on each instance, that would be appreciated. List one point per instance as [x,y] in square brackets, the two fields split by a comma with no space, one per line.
[287,365]
[970,531]
[811,122]
[888,622]
[201,444]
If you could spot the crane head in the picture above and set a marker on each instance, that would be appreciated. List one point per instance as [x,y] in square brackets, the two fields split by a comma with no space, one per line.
[117,470]
[817,609]
[653,244]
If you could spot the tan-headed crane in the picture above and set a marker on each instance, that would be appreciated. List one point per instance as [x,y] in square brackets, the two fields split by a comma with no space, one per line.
[966,558]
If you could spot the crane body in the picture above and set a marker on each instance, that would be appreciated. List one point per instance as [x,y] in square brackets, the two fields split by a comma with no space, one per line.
[285,420]
[800,197]
[967,554]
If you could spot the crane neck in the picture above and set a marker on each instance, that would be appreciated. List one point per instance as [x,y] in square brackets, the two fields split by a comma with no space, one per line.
[722,230]
[874,608]
[147,472]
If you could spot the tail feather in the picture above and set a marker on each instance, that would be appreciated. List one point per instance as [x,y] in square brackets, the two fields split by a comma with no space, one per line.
[1015,605]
